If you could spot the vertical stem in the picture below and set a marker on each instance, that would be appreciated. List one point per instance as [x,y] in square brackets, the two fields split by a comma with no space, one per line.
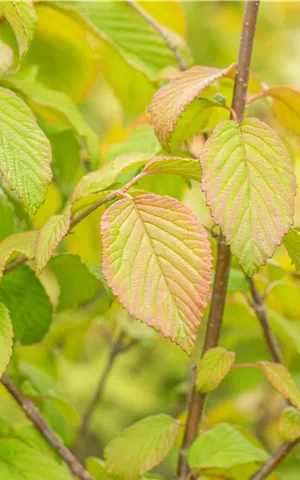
[197,399]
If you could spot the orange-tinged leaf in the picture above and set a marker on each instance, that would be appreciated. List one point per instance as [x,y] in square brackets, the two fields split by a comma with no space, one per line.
[19,243]
[289,424]
[249,184]
[171,101]
[213,368]
[186,167]
[281,380]
[157,260]
[286,104]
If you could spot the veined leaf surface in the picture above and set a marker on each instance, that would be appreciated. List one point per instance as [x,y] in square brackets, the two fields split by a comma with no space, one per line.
[187,167]
[18,243]
[22,18]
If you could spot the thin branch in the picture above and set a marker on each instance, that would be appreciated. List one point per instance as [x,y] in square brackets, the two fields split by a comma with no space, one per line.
[34,416]
[197,399]
[281,453]
[162,32]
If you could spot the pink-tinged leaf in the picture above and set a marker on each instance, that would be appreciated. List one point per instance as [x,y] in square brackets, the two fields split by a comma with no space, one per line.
[6,338]
[286,104]
[171,101]
[49,237]
[19,243]
[249,185]
[289,424]
[157,260]
[186,167]
[281,380]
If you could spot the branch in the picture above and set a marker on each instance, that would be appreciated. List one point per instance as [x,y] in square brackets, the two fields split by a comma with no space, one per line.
[197,399]
[281,453]
[34,416]
[162,32]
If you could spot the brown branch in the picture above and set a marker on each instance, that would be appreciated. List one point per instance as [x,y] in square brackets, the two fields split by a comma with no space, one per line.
[162,32]
[281,453]
[197,399]
[34,416]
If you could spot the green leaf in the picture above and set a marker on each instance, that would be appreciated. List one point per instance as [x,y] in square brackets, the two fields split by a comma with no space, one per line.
[25,152]
[292,244]
[213,368]
[19,243]
[281,380]
[97,468]
[186,167]
[141,446]
[174,103]
[7,215]
[6,338]
[160,242]
[49,237]
[237,281]
[22,18]
[289,424]
[286,104]
[28,304]
[77,283]
[59,104]
[249,185]
[223,447]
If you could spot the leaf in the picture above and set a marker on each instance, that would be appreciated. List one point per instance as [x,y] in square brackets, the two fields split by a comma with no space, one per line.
[49,237]
[6,338]
[7,215]
[289,424]
[25,153]
[22,18]
[157,261]
[60,104]
[77,284]
[223,447]
[97,469]
[249,185]
[213,368]
[292,244]
[6,57]
[141,446]
[186,167]
[28,304]
[286,104]
[20,243]
[281,380]
[171,102]
[237,281]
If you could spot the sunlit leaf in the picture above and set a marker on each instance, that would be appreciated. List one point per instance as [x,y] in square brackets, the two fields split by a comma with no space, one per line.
[292,244]
[286,104]
[289,424]
[6,57]
[22,18]
[25,152]
[171,103]
[186,167]
[6,338]
[281,380]
[249,185]
[141,446]
[19,243]
[97,468]
[160,242]
[213,368]
[7,215]
[223,446]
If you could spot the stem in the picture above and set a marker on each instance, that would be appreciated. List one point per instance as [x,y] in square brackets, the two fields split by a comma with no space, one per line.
[197,399]
[162,32]
[281,453]
[33,414]
[255,97]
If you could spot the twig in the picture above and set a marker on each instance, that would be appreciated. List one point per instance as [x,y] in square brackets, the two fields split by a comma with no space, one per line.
[281,453]
[34,416]
[196,404]
[162,32]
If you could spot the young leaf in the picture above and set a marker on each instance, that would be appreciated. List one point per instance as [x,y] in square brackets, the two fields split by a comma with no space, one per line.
[289,424]
[249,185]
[286,104]
[141,446]
[223,447]
[281,380]
[171,102]
[187,167]
[213,368]
[157,261]
[97,468]
[22,18]
[28,304]
[19,243]
[25,153]
[292,244]
[6,338]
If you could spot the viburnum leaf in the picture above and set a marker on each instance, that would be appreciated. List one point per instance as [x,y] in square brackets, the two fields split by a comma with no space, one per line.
[187,167]
[292,244]
[213,368]
[286,104]
[289,424]
[28,304]
[157,261]
[25,152]
[249,184]
[281,380]
[18,243]
[22,18]
[141,446]
[6,338]
[223,447]
[49,237]
[97,468]
[170,103]
[59,105]
[8,217]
